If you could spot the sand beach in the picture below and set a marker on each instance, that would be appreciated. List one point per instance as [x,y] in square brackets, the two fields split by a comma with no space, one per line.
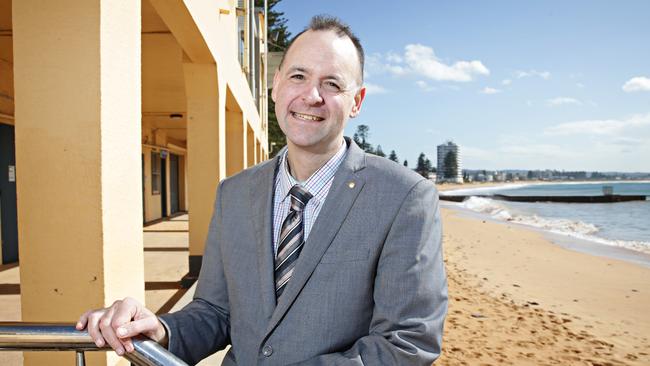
[516,298]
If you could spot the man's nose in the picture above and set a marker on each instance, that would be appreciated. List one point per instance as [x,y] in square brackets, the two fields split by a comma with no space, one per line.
[311,95]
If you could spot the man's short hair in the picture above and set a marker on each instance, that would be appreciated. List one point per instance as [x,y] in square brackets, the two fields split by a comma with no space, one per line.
[327,23]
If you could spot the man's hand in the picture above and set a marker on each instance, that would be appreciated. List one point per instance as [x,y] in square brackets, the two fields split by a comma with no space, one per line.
[115,325]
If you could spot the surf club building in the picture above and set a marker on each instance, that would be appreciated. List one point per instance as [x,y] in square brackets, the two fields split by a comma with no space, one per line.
[113,115]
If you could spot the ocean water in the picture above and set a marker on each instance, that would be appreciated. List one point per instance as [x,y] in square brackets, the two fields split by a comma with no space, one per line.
[622,224]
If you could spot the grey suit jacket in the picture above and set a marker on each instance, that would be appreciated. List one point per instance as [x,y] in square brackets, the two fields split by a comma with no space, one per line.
[369,287]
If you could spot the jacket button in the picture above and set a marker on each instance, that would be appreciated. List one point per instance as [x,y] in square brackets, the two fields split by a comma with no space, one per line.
[267,351]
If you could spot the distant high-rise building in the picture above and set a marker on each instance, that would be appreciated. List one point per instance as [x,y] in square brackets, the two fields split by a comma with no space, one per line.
[449,163]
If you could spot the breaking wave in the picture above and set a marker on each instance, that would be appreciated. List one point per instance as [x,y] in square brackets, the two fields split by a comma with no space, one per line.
[574,228]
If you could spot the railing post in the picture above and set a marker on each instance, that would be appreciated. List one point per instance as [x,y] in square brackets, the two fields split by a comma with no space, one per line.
[81,358]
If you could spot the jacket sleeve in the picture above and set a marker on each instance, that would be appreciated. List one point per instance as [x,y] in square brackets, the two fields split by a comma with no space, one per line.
[202,327]
[410,291]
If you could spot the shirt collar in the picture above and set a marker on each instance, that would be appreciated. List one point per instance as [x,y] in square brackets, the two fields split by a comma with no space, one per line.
[317,181]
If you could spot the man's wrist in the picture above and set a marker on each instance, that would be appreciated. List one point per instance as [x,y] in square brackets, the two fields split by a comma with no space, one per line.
[162,336]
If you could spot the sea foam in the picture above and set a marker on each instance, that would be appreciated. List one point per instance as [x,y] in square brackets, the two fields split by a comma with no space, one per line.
[574,228]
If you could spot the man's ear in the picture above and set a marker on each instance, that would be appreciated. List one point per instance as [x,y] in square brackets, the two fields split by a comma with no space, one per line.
[276,80]
[358,100]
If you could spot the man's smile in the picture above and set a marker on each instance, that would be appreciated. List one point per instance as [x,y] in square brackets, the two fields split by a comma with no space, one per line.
[306,117]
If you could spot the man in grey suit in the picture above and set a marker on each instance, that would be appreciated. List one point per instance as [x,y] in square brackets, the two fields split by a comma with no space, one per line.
[324,255]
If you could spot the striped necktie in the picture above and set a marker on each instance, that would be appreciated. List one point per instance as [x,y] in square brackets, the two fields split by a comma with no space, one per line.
[292,239]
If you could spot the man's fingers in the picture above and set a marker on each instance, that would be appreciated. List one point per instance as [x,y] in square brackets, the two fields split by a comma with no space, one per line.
[148,325]
[113,325]
[106,327]
[124,312]
[83,319]
[93,327]
[128,344]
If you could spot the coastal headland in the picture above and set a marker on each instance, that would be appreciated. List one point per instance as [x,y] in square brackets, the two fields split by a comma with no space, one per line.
[516,298]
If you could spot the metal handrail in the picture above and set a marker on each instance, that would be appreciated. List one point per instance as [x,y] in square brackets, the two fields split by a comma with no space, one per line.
[21,336]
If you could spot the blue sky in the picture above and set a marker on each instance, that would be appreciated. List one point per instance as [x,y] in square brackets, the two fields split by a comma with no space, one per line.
[517,84]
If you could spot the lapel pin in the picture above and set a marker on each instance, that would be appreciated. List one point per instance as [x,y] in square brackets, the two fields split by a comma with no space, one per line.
[351,184]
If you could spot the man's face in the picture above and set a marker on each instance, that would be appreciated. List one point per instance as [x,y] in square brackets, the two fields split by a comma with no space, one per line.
[317,90]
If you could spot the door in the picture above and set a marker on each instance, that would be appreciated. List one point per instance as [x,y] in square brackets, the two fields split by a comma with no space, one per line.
[163,183]
[8,218]
[173,183]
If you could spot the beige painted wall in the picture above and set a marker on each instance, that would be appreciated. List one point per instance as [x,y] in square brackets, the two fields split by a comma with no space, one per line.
[219,31]
[251,153]
[88,149]
[205,147]
[235,145]
[162,75]
[77,82]
[6,76]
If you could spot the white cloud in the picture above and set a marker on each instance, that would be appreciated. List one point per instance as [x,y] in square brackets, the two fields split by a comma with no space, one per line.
[393,57]
[424,86]
[529,103]
[639,83]
[374,89]
[397,70]
[519,74]
[488,90]
[422,61]
[580,85]
[506,82]
[562,101]
[598,127]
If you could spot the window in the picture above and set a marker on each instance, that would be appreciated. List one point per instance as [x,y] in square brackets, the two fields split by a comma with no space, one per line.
[155,172]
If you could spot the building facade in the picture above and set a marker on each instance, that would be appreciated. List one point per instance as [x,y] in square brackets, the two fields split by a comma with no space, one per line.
[449,167]
[115,114]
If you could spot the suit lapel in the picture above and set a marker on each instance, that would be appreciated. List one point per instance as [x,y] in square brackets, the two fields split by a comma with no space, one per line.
[261,195]
[339,200]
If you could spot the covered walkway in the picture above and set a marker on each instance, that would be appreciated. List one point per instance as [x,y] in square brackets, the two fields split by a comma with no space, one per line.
[165,263]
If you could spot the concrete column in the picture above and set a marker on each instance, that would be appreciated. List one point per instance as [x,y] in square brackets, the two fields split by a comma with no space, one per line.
[250,146]
[77,85]
[235,147]
[205,161]
[245,163]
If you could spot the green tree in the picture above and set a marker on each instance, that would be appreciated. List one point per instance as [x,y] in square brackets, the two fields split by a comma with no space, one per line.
[278,38]
[406,163]
[393,156]
[278,33]
[423,166]
[380,152]
[450,165]
[361,137]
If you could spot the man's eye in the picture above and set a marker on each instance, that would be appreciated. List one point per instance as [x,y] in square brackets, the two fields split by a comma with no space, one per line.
[330,85]
[297,77]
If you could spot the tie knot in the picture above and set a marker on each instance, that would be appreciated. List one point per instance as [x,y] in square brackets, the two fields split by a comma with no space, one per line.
[299,197]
